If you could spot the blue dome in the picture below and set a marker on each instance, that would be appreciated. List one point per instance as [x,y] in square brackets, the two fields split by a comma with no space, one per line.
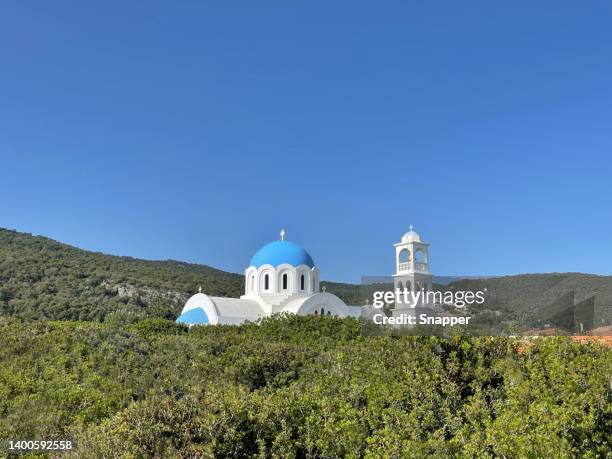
[195,316]
[279,252]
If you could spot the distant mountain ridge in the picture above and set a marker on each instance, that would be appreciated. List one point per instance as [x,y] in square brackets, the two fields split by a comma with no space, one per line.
[445,280]
[44,279]
[526,294]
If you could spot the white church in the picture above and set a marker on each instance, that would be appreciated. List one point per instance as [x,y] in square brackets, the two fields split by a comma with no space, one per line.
[281,277]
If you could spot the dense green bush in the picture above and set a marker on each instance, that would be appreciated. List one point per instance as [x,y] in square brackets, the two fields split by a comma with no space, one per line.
[299,387]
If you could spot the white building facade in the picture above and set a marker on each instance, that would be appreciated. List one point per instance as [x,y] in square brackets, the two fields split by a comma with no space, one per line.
[281,277]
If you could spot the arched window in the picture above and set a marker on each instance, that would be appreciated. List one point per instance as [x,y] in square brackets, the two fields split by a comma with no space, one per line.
[285,281]
[266,282]
[316,312]
[419,256]
[322,311]
[404,256]
[302,282]
[329,313]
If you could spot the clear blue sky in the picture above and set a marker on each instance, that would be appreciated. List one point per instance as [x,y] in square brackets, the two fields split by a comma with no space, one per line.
[196,130]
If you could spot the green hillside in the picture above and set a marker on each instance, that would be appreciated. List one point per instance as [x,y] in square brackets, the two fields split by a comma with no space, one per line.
[525,295]
[44,279]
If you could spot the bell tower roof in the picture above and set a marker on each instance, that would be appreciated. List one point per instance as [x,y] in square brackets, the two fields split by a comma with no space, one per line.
[411,236]
[411,254]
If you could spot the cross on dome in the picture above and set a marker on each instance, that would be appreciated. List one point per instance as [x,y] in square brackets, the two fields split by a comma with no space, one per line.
[411,227]
[282,234]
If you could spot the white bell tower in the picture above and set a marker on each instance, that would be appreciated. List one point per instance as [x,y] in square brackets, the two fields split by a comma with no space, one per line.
[412,268]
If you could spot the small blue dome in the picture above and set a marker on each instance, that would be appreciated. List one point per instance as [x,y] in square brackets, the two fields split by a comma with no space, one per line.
[195,316]
[279,252]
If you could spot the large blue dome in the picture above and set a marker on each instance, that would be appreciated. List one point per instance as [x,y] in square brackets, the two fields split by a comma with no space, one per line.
[279,252]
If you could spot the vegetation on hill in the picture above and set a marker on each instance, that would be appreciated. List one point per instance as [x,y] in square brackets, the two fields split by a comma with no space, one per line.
[527,295]
[44,279]
[299,387]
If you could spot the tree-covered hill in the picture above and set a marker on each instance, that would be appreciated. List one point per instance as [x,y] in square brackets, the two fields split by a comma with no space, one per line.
[527,294]
[44,279]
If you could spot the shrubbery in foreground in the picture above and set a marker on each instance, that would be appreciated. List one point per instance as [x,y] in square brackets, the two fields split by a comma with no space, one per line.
[299,387]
